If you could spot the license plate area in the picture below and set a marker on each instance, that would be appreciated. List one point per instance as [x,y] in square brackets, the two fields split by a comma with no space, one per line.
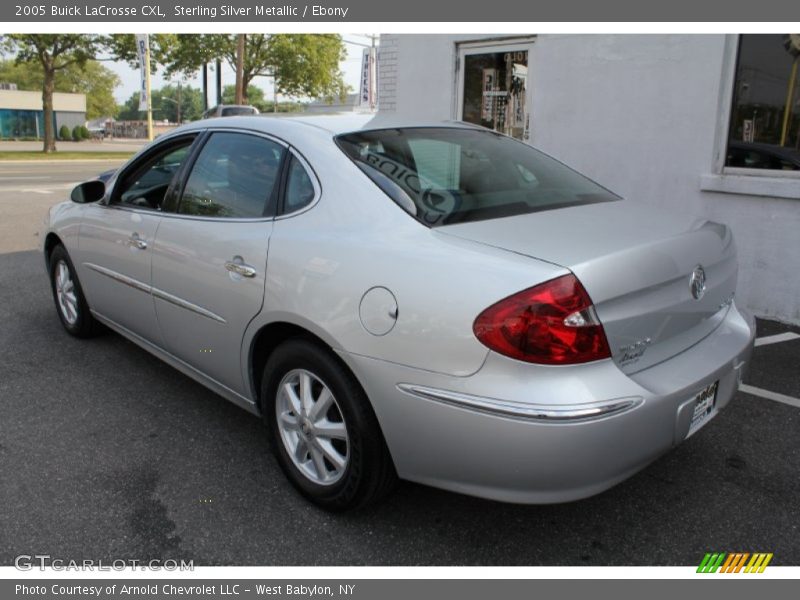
[705,407]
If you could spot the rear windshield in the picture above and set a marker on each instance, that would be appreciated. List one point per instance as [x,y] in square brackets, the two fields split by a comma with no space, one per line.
[443,176]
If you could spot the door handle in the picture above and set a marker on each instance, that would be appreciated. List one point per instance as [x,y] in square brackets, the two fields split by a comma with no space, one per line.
[240,269]
[136,242]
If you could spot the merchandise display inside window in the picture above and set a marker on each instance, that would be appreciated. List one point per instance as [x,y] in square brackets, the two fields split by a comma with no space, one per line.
[494,91]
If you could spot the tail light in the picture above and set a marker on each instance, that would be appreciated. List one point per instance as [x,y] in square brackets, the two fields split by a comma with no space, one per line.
[553,323]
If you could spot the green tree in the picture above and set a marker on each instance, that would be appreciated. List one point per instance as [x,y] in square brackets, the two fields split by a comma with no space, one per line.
[54,53]
[165,105]
[300,64]
[129,110]
[167,100]
[122,46]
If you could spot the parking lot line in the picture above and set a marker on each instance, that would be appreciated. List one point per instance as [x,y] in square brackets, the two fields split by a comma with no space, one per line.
[774,339]
[749,389]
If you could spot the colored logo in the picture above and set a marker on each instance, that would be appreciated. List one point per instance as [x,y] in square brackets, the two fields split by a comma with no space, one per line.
[734,562]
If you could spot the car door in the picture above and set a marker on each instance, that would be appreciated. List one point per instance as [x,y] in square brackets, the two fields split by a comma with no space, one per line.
[117,236]
[210,255]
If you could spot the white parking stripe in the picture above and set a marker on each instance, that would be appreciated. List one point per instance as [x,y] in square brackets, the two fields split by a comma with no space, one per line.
[749,389]
[774,339]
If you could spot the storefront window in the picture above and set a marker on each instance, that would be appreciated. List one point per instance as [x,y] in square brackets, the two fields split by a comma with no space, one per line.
[494,91]
[21,123]
[765,117]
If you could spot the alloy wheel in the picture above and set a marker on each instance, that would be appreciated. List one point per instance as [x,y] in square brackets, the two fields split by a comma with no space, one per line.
[312,427]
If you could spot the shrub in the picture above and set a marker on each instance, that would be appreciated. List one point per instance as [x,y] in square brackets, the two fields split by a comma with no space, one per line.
[76,133]
[64,133]
[85,132]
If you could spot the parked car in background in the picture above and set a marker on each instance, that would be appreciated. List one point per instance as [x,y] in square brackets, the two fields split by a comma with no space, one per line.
[230,110]
[430,301]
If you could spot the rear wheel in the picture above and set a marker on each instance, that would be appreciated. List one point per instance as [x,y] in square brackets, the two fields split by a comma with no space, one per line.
[68,296]
[324,433]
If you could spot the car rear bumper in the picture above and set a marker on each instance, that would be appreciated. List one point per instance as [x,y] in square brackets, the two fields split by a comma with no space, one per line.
[538,434]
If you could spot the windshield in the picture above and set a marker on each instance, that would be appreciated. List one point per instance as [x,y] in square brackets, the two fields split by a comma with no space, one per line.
[443,176]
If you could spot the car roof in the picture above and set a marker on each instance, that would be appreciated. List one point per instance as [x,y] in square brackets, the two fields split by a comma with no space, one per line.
[325,124]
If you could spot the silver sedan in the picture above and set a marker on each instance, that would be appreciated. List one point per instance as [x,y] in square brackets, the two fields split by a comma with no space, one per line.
[434,302]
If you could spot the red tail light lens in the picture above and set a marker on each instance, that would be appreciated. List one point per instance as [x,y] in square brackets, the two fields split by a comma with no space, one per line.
[553,323]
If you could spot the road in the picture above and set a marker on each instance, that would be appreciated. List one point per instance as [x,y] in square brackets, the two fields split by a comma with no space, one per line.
[29,189]
[107,453]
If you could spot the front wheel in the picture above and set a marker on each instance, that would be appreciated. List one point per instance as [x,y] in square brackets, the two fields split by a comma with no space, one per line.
[324,434]
[68,295]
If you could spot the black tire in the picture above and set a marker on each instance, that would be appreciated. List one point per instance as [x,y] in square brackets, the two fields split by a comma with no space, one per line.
[369,474]
[83,324]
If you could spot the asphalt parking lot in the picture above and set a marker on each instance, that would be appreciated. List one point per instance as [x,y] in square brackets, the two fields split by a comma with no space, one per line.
[107,453]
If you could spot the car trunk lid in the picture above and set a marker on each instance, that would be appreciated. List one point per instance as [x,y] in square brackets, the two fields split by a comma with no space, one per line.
[636,262]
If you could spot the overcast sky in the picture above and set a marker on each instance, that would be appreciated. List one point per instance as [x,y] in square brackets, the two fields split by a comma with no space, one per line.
[130,77]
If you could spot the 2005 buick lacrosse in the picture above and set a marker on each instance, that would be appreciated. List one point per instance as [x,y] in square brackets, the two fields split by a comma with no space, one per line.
[434,302]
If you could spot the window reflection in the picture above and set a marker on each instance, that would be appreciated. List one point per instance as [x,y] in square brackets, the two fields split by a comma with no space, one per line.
[765,117]
[494,91]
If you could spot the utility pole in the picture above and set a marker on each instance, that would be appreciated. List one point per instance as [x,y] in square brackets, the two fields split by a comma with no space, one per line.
[219,81]
[205,87]
[240,70]
[179,103]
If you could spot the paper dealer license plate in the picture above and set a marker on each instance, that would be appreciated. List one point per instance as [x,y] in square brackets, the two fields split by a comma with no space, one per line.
[705,403]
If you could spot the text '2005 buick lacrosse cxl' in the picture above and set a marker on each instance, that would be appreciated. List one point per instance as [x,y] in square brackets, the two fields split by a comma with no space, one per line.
[436,302]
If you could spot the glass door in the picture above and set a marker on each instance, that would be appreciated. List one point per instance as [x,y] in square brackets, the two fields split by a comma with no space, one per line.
[493,87]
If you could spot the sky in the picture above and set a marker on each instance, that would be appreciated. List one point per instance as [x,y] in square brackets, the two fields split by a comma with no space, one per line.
[129,77]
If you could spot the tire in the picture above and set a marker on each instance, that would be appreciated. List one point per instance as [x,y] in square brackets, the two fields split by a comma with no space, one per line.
[367,474]
[71,306]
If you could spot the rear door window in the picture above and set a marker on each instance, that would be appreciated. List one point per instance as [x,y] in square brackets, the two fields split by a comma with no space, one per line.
[234,176]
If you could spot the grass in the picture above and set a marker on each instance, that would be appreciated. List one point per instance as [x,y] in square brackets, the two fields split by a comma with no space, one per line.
[68,155]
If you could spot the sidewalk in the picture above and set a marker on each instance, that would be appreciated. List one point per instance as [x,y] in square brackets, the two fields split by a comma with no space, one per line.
[108,145]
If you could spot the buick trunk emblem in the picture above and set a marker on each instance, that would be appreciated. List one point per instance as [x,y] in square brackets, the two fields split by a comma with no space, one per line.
[697,282]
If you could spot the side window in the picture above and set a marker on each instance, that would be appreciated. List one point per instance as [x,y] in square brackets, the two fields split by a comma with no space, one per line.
[234,177]
[299,189]
[147,184]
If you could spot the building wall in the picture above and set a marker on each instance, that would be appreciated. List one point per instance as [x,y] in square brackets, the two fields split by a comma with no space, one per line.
[70,119]
[646,116]
[30,100]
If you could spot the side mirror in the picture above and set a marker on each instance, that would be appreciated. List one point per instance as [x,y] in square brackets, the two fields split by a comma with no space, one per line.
[88,191]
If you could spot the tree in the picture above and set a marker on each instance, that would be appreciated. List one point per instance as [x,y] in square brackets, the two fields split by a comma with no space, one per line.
[169,97]
[122,46]
[301,64]
[165,105]
[54,53]
[93,79]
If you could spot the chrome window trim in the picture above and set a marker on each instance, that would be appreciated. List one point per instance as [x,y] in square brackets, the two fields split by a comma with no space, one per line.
[171,215]
[541,413]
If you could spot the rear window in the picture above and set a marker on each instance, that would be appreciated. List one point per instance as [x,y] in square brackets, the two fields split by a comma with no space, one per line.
[443,176]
